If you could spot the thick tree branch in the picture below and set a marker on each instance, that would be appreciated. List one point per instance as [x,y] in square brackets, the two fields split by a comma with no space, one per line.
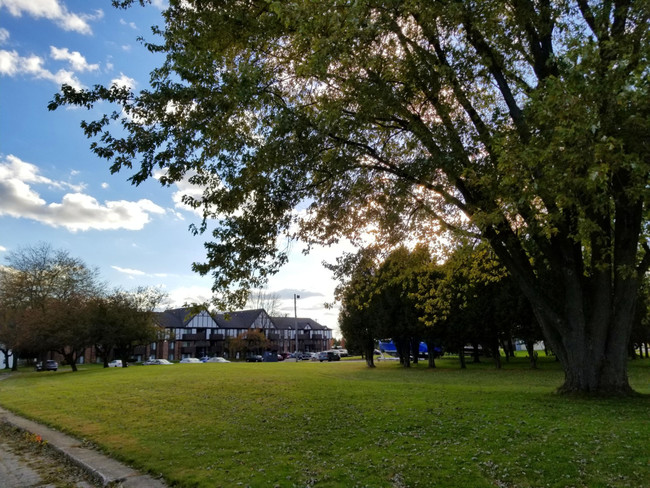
[494,64]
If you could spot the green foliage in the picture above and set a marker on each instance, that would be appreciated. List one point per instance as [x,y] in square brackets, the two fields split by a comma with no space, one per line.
[378,301]
[50,301]
[342,424]
[252,341]
[120,321]
[526,125]
[43,295]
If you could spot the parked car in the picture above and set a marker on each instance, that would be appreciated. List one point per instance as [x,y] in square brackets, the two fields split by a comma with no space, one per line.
[216,360]
[254,359]
[48,365]
[153,362]
[190,361]
[328,356]
[115,363]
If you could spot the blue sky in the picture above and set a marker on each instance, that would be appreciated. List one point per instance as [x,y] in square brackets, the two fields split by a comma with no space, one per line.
[53,189]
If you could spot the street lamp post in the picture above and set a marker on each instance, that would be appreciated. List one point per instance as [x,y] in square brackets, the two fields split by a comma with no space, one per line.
[295,318]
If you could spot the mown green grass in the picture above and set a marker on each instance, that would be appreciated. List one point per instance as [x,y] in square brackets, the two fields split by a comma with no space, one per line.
[342,424]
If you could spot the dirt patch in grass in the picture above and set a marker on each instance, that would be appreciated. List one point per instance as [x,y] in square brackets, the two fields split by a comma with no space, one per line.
[33,453]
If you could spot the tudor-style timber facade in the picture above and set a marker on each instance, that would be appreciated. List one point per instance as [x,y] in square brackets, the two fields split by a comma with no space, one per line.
[190,333]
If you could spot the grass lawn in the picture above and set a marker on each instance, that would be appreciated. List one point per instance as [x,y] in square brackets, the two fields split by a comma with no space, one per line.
[341,424]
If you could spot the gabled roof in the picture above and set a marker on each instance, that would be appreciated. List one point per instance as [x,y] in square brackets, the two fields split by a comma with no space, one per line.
[175,318]
[303,323]
[179,318]
[243,319]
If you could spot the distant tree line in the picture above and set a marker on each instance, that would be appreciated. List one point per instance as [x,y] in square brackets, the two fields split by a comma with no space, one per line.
[53,302]
[469,300]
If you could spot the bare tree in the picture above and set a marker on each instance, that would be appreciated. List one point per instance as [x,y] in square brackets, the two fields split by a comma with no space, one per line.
[262,298]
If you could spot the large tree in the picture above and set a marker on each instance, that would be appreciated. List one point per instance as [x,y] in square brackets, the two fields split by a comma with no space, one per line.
[530,118]
[43,295]
[122,320]
[360,319]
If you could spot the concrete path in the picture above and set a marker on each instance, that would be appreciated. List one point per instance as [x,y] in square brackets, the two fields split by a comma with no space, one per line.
[106,471]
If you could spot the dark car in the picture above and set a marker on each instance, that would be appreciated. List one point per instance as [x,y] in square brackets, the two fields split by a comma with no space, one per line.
[254,359]
[48,365]
[328,356]
[333,356]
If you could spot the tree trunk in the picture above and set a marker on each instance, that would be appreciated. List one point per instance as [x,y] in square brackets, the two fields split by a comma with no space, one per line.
[496,354]
[631,351]
[476,355]
[432,354]
[593,354]
[70,357]
[369,351]
[586,320]
[532,355]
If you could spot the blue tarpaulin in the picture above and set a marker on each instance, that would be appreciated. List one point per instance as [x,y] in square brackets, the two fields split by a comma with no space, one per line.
[389,346]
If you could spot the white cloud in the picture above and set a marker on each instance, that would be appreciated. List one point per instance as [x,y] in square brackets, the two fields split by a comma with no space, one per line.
[130,24]
[13,167]
[124,81]
[4,35]
[3,249]
[105,186]
[188,294]
[76,60]
[137,272]
[75,212]
[12,64]
[184,187]
[53,10]
[129,271]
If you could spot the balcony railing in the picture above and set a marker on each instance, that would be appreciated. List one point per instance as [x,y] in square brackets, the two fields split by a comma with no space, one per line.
[194,337]
[217,337]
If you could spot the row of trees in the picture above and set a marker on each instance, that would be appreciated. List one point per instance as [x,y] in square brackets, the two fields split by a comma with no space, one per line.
[468,300]
[50,301]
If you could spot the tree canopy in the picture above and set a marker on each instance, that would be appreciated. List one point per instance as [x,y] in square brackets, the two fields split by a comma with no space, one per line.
[51,301]
[43,293]
[525,123]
